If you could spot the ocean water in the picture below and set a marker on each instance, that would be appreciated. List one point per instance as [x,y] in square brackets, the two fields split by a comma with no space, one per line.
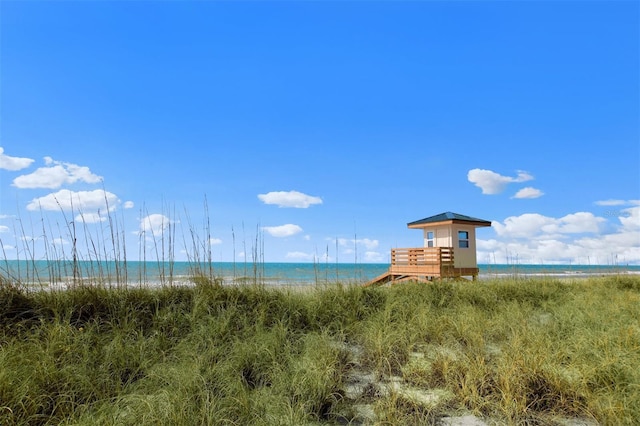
[153,273]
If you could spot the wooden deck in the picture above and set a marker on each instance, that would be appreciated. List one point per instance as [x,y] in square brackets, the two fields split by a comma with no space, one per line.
[422,264]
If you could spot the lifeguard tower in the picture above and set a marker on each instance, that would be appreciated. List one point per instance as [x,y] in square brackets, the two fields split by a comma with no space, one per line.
[449,251]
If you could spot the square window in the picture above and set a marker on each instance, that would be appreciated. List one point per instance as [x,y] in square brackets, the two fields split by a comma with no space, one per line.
[463,239]
[430,239]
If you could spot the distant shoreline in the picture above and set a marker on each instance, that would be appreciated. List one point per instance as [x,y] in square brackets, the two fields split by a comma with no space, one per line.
[152,273]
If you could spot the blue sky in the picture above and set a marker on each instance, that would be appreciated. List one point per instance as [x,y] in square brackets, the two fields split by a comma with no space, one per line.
[321,128]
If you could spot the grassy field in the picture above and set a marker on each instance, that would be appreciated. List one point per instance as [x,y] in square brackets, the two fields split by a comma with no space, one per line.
[510,351]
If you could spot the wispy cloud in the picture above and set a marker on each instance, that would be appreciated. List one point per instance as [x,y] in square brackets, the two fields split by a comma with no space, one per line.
[373,256]
[293,199]
[13,163]
[299,255]
[368,243]
[494,183]
[90,217]
[528,192]
[612,202]
[302,256]
[59,242]
[283,230]
[55,175]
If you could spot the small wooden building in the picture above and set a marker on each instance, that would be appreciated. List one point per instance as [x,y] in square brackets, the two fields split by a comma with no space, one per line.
[449,250]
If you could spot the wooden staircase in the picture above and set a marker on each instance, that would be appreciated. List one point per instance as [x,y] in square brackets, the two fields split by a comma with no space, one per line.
[391,278]
[421,264]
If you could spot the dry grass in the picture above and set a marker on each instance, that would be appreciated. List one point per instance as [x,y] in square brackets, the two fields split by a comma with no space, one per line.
[513,351]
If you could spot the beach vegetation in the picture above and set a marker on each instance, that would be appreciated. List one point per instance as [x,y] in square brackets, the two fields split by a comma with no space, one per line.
[539,351]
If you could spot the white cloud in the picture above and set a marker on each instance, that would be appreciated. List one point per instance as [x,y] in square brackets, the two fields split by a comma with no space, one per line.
[368,244]
[534,225]
[283,230]
[55,175]
[85,202]
[13,163]
[90,218]
[373,256]
[618,203]
[289,199]
[364,248]
[528,192]
[4,229]
[598,250]
[299,255]
[577,238]
[630,219]
[44,177]
[214,241]
[155,224]
[488,245]
[523,226]
[309,257]
[59,242]
[493,183]
[127,205]
[577,223]
[611,203]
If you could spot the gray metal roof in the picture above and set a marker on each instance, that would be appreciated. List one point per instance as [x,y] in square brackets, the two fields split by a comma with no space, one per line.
[447,216]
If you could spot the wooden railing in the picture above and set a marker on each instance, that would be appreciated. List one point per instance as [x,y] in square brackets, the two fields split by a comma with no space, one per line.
[422,256]
[422,263]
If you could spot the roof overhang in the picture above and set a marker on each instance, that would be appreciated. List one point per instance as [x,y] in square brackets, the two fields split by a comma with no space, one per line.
[448,218]
[421,225]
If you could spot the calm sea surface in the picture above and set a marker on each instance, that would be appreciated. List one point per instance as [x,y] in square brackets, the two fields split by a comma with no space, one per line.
[159,273]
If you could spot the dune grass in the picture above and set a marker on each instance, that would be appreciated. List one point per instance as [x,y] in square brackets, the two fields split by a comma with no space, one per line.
[510,351]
